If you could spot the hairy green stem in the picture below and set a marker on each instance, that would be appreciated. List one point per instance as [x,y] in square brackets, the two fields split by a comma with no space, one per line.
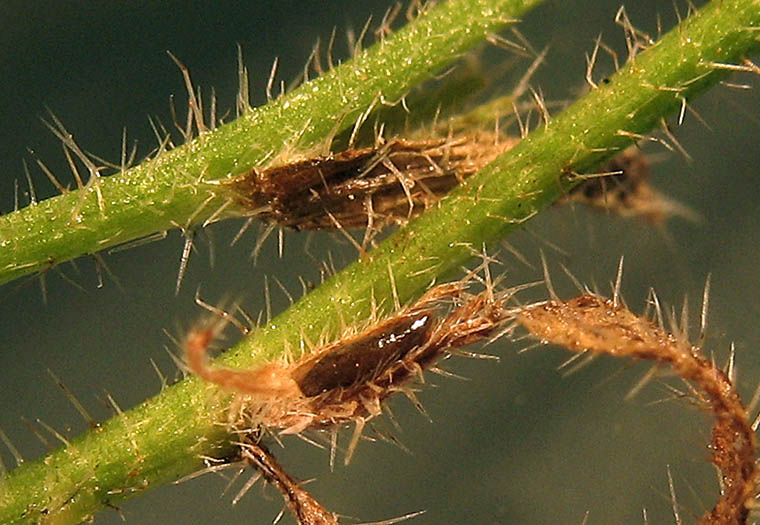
[168,191]
[688,60]
[162,438]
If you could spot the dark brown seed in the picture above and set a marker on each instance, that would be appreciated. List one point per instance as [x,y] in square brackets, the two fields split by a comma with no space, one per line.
[361,359]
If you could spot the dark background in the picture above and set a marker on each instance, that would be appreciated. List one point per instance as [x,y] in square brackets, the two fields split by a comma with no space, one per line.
[518,443]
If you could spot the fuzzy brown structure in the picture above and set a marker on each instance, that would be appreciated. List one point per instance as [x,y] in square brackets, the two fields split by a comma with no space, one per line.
[389,183]
[395,181]
[347,380]
[623,189]
[592,323]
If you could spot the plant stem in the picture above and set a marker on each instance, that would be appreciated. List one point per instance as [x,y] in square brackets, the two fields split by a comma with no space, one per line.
[162,438]
[168,190]
[526,179]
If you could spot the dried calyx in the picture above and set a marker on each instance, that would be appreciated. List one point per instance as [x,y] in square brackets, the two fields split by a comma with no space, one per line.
[398,179]
[347,381]
[590,323]
[623,189]
[388,183]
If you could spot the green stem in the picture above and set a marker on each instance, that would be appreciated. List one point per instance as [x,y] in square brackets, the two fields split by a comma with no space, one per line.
[526,179]
[162,438]
[168,190]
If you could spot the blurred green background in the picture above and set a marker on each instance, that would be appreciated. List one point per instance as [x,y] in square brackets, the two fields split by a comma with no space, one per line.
[519,443]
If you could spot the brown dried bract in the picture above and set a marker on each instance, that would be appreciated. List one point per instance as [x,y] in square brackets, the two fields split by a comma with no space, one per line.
[388,183]
[346,381]
[624,189]
[592,323]
[392,182]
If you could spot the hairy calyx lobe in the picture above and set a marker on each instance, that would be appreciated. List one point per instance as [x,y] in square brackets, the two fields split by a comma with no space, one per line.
[592,323]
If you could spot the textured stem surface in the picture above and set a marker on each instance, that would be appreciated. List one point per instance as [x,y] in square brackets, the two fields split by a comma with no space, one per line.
[162,438]
[168,191]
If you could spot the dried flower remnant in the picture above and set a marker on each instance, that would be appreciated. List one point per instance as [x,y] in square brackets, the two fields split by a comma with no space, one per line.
[397,180]
[595,324]
[347,381]
[388,183]
[623,189]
